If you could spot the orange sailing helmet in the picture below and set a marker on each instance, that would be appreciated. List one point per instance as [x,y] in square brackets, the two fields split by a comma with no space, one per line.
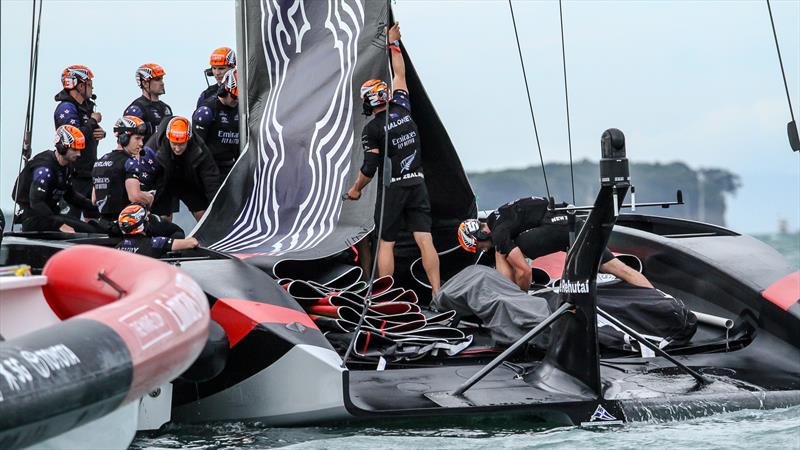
[469,233]
[375,92]
[75,74]
[178,130]
[147,72]
[223,56]
[132,219]
[230,83]
[69,138]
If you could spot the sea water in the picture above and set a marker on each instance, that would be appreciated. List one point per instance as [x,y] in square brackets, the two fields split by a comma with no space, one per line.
[749,429]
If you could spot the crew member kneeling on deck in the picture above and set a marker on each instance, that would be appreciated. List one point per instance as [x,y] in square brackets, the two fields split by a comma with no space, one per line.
[45,180]
[188,171]
[526,229]
[216,121]
[134,223]
[406,196]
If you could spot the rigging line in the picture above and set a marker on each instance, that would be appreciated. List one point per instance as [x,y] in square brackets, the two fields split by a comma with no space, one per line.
[387,177]
[530,101]
[33,70]
[780,60]
[566,99]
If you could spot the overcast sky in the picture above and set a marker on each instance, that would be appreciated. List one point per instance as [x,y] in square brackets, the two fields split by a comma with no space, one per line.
[697,82]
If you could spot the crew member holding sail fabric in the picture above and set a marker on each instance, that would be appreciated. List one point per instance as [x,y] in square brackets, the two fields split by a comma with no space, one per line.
[148,107]
[75,107]
[46,180]
[406,196]
[525,228]
[222,61]
[216,122]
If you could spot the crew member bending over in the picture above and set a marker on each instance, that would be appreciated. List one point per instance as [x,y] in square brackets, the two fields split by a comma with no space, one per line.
[526,229]
[406,196]
[134,223]
[188,172]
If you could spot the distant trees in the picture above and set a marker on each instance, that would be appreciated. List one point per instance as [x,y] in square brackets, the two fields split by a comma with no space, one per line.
[704,190]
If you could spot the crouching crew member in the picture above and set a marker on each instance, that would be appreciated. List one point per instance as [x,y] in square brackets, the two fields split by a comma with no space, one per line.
[526,229]
[75,107]
[216,122]
[134,223]
[222,60]
[188,172]
[406,196]
[148,107]
[46,180]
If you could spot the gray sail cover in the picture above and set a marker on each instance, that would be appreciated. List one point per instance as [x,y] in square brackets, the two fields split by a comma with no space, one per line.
[301,69]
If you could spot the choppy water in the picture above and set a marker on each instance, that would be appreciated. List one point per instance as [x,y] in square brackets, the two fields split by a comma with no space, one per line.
[751,429]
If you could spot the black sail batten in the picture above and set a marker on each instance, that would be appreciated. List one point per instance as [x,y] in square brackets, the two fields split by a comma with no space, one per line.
[304,64]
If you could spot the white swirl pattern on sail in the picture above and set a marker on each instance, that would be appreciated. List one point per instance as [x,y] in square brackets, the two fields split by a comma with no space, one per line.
[261,223]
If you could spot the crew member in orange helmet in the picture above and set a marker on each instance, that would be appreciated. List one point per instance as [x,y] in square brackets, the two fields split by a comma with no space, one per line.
[188,171]
[148,107]
[221,61]
[46,180]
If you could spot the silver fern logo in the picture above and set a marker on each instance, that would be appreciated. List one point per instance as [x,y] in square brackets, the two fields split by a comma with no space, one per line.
[405,164]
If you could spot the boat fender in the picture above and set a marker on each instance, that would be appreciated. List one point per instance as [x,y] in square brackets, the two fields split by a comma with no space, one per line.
[212,359]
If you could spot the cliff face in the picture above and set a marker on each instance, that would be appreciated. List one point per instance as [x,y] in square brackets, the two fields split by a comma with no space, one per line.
[704,190]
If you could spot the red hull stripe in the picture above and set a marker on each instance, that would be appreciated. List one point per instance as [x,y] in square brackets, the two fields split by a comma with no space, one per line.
[785,292]
[239,317]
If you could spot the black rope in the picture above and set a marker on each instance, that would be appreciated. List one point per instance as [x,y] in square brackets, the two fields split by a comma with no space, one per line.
[780,60]
[566,99]
[387,178]
[33,70]
[530,101]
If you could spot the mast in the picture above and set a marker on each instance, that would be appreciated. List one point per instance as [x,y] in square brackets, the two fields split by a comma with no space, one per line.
[574,355]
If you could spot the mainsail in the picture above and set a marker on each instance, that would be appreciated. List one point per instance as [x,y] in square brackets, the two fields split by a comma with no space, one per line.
[301,64]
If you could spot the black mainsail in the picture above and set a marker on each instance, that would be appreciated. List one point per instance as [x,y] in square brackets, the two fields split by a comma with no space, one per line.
[301,64]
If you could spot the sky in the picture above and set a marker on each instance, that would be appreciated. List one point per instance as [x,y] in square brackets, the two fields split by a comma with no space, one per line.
[691,81]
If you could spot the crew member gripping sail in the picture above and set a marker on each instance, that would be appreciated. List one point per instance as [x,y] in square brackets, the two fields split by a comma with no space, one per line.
[406,197]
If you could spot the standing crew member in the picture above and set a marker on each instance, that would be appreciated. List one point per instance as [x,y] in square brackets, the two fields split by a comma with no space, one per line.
[217,123]
[148,107]
[188,171]
[222,60]
[47,179]
[406,196]
[134,223]
[75,107]
[526,229]
[118,176]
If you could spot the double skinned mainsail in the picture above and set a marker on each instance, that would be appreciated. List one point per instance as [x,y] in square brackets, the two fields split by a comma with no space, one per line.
[301,65]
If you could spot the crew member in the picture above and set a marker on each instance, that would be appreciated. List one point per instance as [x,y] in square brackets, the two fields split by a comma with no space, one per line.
[188,172]
[222,60]
[216,122]
[148,107]
[406,196]
[118,176]
[526,229]
[134,223]
[75,107]
[47,179]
